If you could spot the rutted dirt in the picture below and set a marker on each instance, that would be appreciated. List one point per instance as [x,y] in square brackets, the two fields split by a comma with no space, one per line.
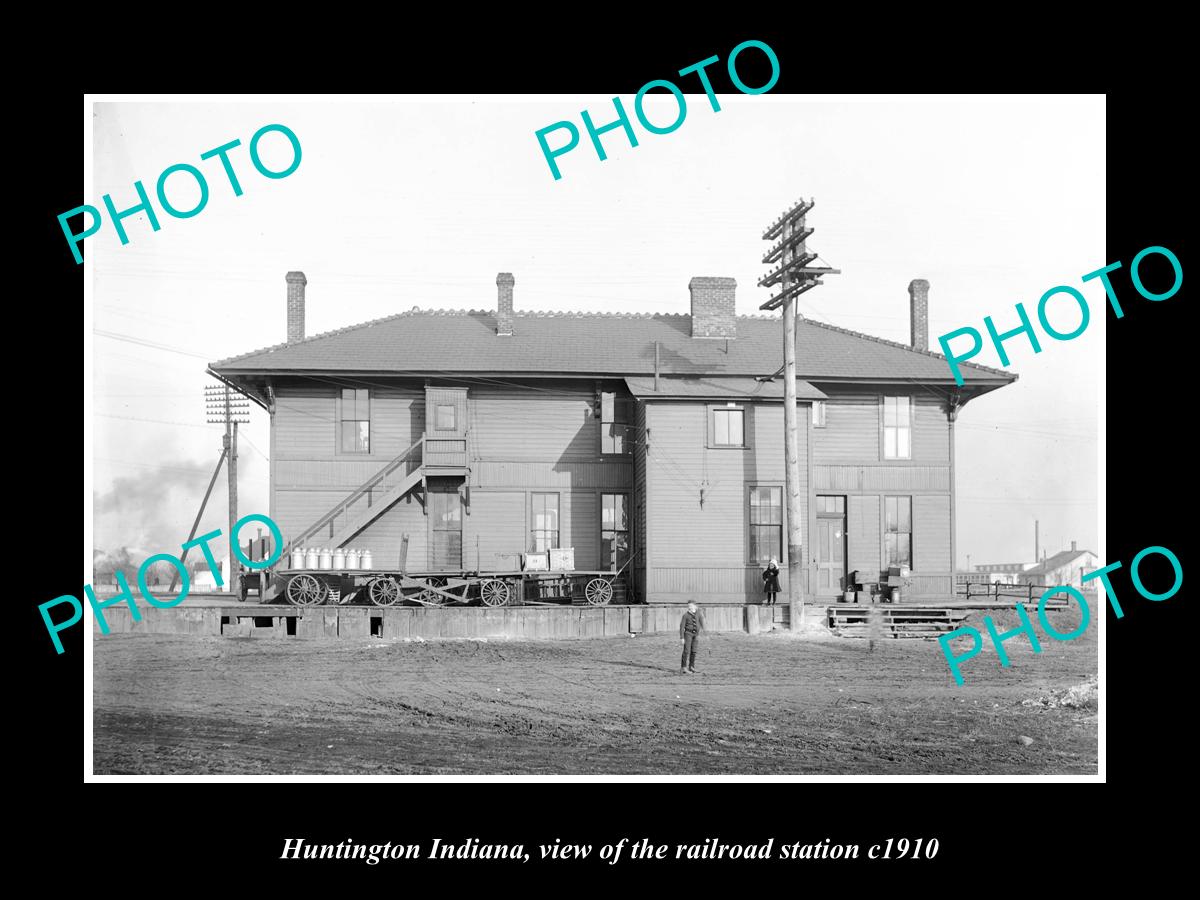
[769,704]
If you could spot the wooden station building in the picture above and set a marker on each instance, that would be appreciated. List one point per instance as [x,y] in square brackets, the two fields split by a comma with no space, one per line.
[485,434]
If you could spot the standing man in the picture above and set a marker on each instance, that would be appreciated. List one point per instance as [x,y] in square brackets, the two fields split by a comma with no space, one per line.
[690,627]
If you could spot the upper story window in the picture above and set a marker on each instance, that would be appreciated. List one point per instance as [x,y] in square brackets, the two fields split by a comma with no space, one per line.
[728,426]
[446,417]
[614,424]
[818,413]
[355,420]
[897,427]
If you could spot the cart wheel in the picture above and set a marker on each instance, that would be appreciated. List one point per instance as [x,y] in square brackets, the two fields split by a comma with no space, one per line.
[384,591]
[428,596]
[598,591]
[493,592]
[306,590]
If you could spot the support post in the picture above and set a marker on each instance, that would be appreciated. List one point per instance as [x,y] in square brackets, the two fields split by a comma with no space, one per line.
[235,580]
[791,445]
[203,503]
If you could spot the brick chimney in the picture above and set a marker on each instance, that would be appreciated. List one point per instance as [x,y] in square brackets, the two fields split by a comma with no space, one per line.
[295,306]
[712,307]
[504,307]
[1073,547]
[918,292]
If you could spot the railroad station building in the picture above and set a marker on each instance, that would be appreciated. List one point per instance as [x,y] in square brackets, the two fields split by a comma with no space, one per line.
[455,441]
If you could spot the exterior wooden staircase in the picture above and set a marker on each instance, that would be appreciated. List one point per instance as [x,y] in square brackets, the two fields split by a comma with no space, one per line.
[895,622]
[365,503]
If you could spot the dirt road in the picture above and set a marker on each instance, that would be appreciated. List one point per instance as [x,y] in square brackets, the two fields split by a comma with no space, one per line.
[768,704]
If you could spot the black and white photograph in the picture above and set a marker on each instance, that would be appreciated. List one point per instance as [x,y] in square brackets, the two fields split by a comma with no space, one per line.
[707,430]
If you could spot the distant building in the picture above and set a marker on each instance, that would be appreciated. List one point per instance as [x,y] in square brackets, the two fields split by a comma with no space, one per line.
[995,573]
[203,578]
[1067,568]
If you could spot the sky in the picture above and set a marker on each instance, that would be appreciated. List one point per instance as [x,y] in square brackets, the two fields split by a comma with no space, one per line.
[420,201]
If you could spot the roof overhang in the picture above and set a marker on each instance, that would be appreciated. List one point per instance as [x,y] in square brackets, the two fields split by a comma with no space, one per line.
[718,388]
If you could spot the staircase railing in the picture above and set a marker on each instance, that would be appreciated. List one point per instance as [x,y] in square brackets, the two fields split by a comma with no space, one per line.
[345,504]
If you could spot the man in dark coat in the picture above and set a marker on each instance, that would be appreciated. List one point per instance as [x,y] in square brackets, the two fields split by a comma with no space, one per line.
[690,628]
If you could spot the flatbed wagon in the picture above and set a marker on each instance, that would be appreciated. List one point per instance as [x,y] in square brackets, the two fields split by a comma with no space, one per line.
[379,587]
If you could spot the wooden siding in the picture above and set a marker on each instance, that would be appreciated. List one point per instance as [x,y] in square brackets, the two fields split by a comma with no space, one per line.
[866,479]
[520,439]
[931,535]
[455,397]
[383,536]
[306,425]
[682,534]
[617,476]
[495,528]
[533,425]
[864,524]
[547,438]
[854,423]
[732,583]
[931,430]
[851,432]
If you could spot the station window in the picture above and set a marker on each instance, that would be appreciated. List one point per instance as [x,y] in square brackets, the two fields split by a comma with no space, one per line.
[543,522]
[447,417]
[897,427]
[897,531]
[818,414]
[766,525]
[355,420]
[614,530]
[727,428]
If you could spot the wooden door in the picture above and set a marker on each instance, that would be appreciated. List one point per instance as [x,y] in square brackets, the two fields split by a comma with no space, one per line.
[830,542]
[445,521]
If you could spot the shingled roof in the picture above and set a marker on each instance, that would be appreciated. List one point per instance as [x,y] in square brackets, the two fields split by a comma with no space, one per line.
[596,344]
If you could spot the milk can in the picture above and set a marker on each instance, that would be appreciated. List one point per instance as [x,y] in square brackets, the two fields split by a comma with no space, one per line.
[366,562]
[351,559]
[324,559]
[310,558]
[339,558]
[297,557]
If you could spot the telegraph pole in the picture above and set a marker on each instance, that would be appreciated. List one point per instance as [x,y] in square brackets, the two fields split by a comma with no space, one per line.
[224,408]
[794,275]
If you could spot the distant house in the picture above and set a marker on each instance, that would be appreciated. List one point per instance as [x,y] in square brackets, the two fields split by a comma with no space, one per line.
[203,578]
[1067,568]
[459,439]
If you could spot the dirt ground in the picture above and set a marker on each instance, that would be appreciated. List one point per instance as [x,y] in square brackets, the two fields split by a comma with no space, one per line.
[767,704]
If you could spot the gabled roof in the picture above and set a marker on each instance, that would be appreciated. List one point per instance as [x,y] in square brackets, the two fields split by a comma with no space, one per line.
[701,388]
[594,344]
[1057,561]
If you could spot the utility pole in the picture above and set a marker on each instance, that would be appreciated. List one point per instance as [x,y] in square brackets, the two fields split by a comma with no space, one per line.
[794,275]
[224,408]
